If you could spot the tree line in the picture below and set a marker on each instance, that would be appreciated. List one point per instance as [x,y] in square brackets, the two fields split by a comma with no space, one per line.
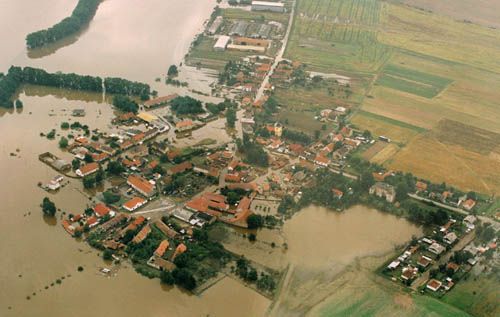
[18,76]
[81,16]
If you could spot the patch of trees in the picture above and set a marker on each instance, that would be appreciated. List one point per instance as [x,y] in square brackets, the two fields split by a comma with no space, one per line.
[90,181]
[426,215]
[115,168]
[231,117]
[255,221]
[18,76]
[486,233]
[286,204]
[254,153]
[125,104]
[296,136]
[48,207]
[110,197]
[320,192]
[248,273]
[172,71]
[184,105]
[80,17]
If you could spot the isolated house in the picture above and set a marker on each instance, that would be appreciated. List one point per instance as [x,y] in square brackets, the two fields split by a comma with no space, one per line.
[381,189]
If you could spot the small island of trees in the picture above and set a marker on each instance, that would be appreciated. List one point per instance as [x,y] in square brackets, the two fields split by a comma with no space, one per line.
[80,17]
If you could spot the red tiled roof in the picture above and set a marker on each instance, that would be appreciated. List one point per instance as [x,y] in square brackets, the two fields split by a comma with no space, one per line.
[182,167]
[160,251]
[134,203]
[89,168]
[143,234]
[184,124]
[101,210]
[140,184]
[160,100]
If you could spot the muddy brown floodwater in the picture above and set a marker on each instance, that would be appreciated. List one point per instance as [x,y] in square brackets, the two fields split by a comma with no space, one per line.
[322,243]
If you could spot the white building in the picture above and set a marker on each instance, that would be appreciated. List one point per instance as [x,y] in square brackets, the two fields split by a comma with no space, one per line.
[268,6]
[221,43]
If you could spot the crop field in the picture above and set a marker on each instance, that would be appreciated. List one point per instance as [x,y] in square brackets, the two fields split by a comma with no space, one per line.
[412,81]
[238,14]
[484,12]
[438,36]
[427,157]
[337,34]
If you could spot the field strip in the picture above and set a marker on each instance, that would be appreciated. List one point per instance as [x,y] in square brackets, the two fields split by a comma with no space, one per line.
[392,121]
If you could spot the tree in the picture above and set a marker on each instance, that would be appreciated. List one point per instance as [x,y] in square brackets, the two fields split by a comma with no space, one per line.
[110,198]
[75,164]
[125,104]
[402,190]
[19,103]
[231,117]
[107,255]
[88,158]
[65,125]
[48,207]
[63,143]
[317,134]
[167,278]
[88,182]
[366,180]
[172,71]
[115,168]
[255,221]
[183,105]
[200,235]
[184,278]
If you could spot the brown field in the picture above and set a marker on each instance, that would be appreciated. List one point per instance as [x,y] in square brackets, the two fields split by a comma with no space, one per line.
[374,150]
[427,157]
[386,154]
[485,12]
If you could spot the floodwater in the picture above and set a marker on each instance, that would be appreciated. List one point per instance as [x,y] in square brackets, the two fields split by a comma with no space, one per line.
[323,243]
[133,39]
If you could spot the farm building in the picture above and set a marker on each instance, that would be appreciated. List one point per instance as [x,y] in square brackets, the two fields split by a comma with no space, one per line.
[250,41]
[246,48]
[264,32]
[268,6]
[215,25]
[239,29]
[221,43]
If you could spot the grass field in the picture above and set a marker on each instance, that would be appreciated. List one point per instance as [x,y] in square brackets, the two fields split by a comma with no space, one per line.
[438,36]
[412,81]
[337,35]
[478,296]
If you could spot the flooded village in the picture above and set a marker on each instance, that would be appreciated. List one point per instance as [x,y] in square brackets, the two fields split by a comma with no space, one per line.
[199,200]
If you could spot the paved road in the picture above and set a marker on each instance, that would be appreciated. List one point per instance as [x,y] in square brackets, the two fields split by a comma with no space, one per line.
[279,56]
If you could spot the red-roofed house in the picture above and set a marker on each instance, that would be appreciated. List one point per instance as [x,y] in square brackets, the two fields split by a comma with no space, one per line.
[468,204]
[337,193]
[102,210]
[141,185]
[134,203]
[87,169]
[143,234]
[160,251]
[321,160]
[184,125]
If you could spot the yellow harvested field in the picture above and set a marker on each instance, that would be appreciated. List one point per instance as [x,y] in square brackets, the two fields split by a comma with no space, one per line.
[428,158]
[380,127]
[440,36]
[386,155]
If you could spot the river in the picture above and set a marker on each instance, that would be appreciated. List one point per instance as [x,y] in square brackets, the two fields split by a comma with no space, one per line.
[137,40]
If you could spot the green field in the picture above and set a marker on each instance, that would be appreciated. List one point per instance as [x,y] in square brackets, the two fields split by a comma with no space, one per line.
[412,81]
[337,35]
[204,55]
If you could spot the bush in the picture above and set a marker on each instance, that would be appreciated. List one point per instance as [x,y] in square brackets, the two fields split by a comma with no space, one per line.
[167,278]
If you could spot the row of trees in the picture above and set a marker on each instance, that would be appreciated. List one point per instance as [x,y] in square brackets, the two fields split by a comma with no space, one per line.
[81,16]
[17,76]
[125,104]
